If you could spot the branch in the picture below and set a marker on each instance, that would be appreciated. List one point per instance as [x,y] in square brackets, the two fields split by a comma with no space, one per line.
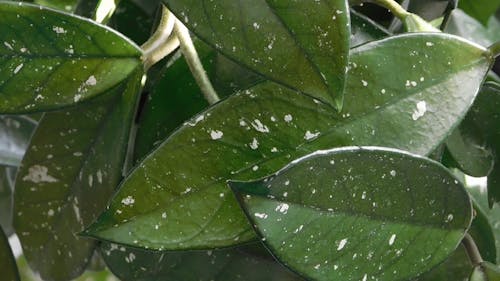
[472,250]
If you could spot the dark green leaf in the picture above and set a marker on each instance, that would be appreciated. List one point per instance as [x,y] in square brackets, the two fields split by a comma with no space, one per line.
[465,26]
[180,187]
[15,134]
[431,9]
[49,59]
[457,268]
[257,33]
[222,265]
[365,30]
[482,10]
[358,214]
[7,261]
[486,272]
[7,176]
[63,5]
[72,167]
[469,150]
[132,21]
[482,233]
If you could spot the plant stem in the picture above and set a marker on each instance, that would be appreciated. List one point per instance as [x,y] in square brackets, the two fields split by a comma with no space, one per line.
[472,250]
[392,6]
[495,49]
[194,63]
[161,42]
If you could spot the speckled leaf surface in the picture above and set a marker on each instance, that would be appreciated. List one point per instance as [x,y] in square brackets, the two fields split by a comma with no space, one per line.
[242,263]
[358,214]
[49,59]
[300,44]
[63,5]
[457,267]
[72,167]
[180,187]
[15,134]
[7,261]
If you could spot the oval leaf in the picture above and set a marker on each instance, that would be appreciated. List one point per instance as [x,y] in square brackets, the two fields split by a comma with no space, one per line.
[256,33]
[131,264]
[49,59]
[358,214]
[181,186]
[67,176]
[7,261]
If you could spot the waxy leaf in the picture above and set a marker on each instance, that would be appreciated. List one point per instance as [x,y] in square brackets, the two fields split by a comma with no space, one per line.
[358,214]
[49,59]
[131,264]
[7,261]
[15,134]
[364,30]
[63,5]
[180,190]
[72,167]
[457,267]
[299,44]
[465,26]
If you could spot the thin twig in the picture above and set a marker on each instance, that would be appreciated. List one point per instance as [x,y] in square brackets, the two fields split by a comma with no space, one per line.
[194,63]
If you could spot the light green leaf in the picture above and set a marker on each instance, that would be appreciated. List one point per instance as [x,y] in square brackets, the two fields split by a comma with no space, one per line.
[358,214]
[482,10]
[72,167]
[7,261]
[247,263]
[257,33]
[15,134]
[180,187]
[49,59]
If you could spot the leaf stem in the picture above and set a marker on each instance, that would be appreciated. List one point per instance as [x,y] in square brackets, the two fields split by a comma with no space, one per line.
[495,49]
[472,250]
[392,6]
[161,43]
[194,63]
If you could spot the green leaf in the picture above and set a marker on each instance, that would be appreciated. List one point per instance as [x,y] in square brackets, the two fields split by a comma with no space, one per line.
[7,176]
[15,133]
[67,176]
[364,30]
[180,187]
[482,233]
[457,267]
[465,26]
[469,150]
[49,59]
[486,272]
[431,9]
[131,264]
[63,5]
[358,214]
[482,10]
[7,261]
[132,21]
[256,33]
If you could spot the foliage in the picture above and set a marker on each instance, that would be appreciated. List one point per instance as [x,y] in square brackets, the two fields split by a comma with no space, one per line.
[250,140]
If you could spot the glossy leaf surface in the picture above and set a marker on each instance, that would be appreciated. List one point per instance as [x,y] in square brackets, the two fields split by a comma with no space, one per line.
[222,265]
[72,167]
[465,26]
[180,187]
[49,59]
[15,134]
[358,214]
[364,30]
[457,267]
[7,261]
[63,5]
[257,33]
